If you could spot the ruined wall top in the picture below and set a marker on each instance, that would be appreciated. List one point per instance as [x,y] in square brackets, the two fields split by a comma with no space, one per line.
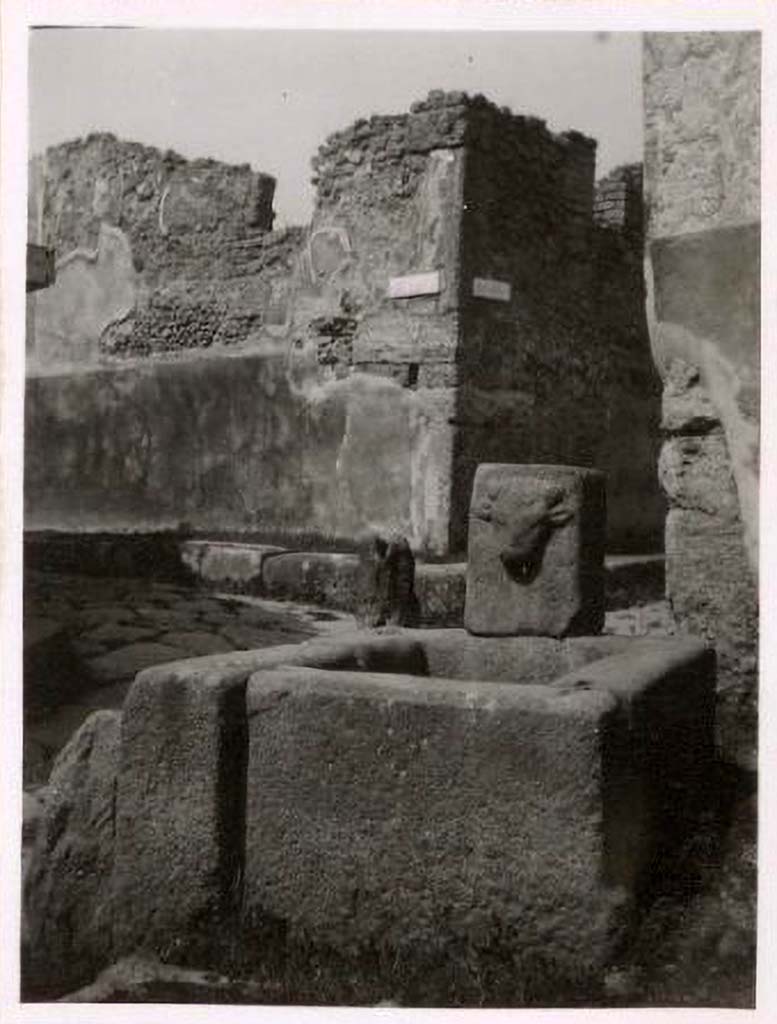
[618,202]
[444,120]
[160,199]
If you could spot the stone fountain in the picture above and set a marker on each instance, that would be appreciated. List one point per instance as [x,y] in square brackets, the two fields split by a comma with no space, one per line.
[510,784]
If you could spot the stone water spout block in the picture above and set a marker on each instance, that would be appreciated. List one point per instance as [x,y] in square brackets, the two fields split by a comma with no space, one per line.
[536,551]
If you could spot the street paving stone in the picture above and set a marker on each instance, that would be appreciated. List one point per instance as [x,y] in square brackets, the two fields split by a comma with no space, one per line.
[116,627]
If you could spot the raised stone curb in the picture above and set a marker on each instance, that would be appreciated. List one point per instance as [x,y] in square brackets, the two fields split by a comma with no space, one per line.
[228,566]
[331,578]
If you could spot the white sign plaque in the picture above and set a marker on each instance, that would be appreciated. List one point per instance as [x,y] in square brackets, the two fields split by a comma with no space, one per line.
[429,283]
[488,288]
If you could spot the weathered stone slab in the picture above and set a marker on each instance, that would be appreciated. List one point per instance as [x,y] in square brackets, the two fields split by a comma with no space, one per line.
[407,813]
[67,900]
[113,634]
[181,789]
[536,551]
[235,566]
[659,764]
[179,804]
[318,577]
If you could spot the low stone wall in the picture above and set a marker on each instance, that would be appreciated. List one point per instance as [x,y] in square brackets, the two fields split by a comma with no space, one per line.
[232,444]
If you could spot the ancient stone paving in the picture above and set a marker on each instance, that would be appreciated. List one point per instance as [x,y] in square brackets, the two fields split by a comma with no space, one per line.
[110,629]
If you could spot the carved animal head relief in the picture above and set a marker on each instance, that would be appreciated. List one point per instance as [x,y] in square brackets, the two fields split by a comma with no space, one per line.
[522,558]
[536,551]
[528,528]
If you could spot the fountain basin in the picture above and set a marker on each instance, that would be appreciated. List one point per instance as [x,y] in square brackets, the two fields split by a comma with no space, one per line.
[408,789]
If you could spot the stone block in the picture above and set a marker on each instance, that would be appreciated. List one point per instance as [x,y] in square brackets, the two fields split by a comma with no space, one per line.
[66,932]
[660,758]
[179,804]
[401,813]
[440,590]
[536,551]
[180,792]
[387,582]
[228,566]
[315,577]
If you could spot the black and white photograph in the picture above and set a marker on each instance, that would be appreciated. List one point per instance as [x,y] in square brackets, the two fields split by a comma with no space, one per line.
[381,586]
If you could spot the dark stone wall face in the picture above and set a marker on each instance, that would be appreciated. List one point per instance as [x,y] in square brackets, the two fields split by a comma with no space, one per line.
[561,372]
[631,446]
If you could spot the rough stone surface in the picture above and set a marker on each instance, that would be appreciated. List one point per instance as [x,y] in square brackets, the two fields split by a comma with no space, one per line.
[390,811]
[195,642]
[228,566]
[60,692]
[666,690]
[702,109]
[562,372]
[181,791]
[440,591]
[67,901]
[702,180]
[323,578]
[536,551]
[179,803]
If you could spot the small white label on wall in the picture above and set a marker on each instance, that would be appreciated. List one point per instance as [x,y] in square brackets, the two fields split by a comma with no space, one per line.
[488,288]
[415,284]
